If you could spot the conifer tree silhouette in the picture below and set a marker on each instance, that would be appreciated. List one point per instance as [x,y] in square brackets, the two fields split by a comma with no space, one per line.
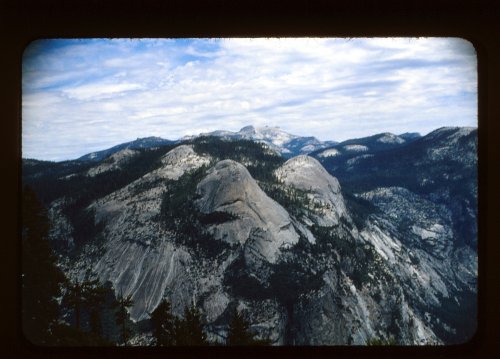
[41,279]
[163,324]
[123,303]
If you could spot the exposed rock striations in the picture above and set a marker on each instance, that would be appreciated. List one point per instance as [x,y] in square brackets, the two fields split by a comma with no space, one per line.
[262,222]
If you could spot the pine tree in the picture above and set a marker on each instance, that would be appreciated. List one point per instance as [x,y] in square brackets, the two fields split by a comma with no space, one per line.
[163,324]
[190,330]
[41,278]
[74,298]
[123,303]
[94,296]
[88,294]
[110,330]
[239,333]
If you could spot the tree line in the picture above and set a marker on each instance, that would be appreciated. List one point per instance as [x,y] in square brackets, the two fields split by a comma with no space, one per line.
[169,330]
[57,310]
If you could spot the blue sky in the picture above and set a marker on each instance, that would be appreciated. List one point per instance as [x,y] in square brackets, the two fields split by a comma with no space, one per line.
[84,95]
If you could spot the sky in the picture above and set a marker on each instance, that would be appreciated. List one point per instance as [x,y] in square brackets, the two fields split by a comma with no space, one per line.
[85,95]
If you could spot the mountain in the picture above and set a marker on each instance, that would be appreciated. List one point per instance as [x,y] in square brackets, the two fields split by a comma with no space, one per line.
[441,167]
[364,243]
[146,142]
[278,140]
[367,145]
[408,136]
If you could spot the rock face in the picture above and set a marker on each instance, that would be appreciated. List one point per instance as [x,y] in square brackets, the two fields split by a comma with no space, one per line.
[61,227]
[138,258]
[113,162]
[342,313]
[141,199]
[424,223]
[180,160]
[306,261]
[425,230]
[145,273]
[307,174]
[262,224]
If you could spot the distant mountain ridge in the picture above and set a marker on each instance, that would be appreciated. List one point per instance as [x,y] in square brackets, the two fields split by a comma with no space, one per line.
[379,142]
[146,142]
[285,144]
[370,238]
[282,142]
[426,165]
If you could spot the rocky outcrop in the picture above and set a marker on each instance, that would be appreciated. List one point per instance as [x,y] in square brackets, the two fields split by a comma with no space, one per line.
[424,223]
[147,273]
[323,190]
[261,224]
[341,313]
[415,237]
[61,228]
[180,160]
[113,162]
[141,199]
[453,142]
[139,258]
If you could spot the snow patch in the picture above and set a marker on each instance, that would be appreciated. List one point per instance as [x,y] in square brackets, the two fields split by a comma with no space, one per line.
[308,148]
[329,153]
[390,138]
[355,148]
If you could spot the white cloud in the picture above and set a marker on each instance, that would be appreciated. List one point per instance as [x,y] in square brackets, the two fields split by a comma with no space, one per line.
[89,93]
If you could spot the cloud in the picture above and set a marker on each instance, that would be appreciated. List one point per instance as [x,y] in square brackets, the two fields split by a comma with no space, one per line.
[91,91]
[84,95]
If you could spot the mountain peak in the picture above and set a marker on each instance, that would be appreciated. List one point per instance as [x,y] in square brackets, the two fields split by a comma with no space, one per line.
[149,138]
[229,187]
[451,129]
[307,174]
[303,161]
[388,137]
[248,128]
[410,135]
[145,142]
[449,133]
[275,138]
